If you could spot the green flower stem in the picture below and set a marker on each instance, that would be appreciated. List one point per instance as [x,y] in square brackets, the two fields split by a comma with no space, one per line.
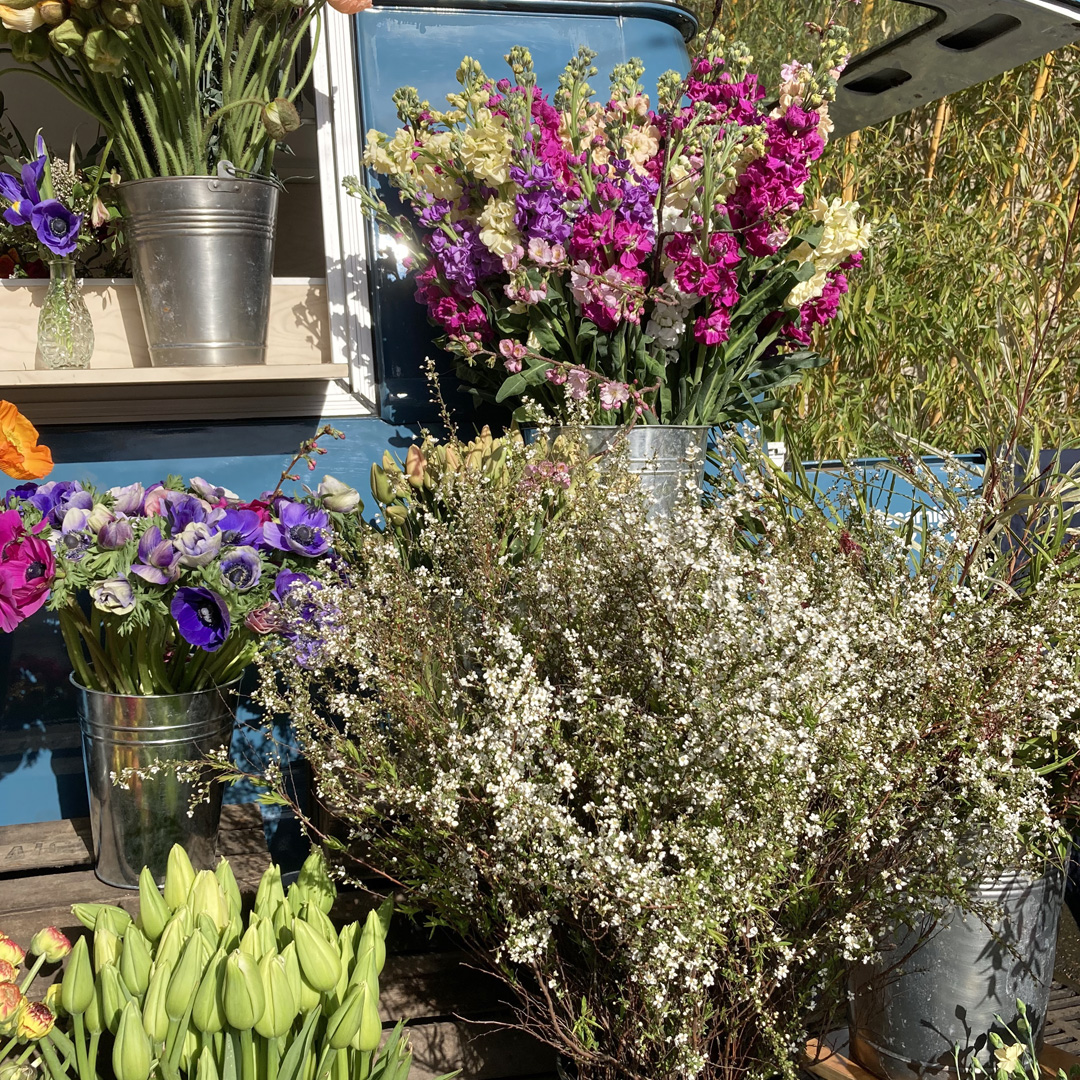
[74,635]
[248,1069]
[213,118]
[81,1060]
[8,1047]
[31,974]
[49,1054]
[64,1045]
[91,1056]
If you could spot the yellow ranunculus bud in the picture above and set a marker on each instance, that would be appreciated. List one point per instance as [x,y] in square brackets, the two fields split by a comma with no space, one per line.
[131,1050]
[34,1020]
[11,1000]
[51,944]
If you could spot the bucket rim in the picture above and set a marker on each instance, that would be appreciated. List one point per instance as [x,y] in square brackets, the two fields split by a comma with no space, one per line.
[210,176]
[231,686]
[617,427]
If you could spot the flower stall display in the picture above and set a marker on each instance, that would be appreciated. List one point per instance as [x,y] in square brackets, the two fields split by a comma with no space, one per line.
[612,260]
[191,987]
[669,781]
[52,208]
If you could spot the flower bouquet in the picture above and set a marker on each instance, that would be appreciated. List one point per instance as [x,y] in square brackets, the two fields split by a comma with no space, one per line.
[183,582]
[614,260]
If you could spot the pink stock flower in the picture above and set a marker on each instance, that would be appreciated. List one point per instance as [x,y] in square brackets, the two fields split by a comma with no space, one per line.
[555,375]
[613,395]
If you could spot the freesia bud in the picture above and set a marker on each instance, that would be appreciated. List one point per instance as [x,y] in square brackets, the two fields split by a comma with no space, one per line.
[155,1019]
[208,1010]
[281,1005]
[179,877]
[186,977]
[338,496]
[10,1000]
[244,998]
[106,948]
[34,1020]
[319,960]
[135,961]
[51,944]
[153,911]
[11,951]
[77,985]
[131,1051]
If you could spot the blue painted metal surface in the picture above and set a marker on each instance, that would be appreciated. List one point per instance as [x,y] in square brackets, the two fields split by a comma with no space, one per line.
[421,45]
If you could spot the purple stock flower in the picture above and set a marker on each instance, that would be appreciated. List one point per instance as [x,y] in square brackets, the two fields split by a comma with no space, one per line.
[465,262]
[241,568]
[198,543]
[202,617]
[302,529]
[56,226]
[158,558]
[128,500]
[115,534]
[241,527]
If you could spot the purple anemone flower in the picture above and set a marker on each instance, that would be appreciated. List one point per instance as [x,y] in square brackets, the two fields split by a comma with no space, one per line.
[212,493]
[114,534]
[56,226]
[57,496]
[302,529]
[202,617]
[285,581]
[159,561]
[129,499]
[183,509]
[74,540]
[22,192]
[21,491]
[241,568]
[198,544]
[241,527]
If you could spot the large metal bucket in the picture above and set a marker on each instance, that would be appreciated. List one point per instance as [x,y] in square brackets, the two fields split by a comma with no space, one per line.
[138,809]
[664,456]
[202,254]
[940,986]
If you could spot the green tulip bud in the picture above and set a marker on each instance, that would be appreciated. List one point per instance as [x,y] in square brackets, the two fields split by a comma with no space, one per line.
[189,1052]
[380,486]
[318,921]
[131,1051]
[279,117]
[93,1018]
[179,873]
[187,976]
[107,948]
[227,881]
[30,48]
[113,998]
[209,930]
[251,943]
[208,1011]
[313,884]
[375,933]
[281,1007]
[107,915]
[307,997]
[171,941]
[155,1018]
[319,960]
[207,898]
[370,1034]
[105,52]
[344,1022]
[77,986]
[396,515]
[365,972]
[270,893]
[267,936]
[153,911]
[282,925]
[207,1069]
[244,998]
[67,38]
[230,936]
[135,961]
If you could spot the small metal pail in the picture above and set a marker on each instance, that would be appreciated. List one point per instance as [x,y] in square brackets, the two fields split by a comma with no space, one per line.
[202,254]
[138,809]
[940,986]
[664,456]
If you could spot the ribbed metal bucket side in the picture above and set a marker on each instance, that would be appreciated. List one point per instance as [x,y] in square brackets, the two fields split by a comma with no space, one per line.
[941,985]
[202,254]
[665,456]
[139,806]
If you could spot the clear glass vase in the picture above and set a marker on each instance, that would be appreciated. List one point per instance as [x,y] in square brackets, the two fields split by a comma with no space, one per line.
[65,331]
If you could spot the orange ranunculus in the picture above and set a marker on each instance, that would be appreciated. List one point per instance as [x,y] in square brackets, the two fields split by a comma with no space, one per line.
[349,7]
[20,455]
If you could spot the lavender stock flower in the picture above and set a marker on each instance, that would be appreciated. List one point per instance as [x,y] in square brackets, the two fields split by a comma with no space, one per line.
[56,226]
[241,568]
[202,617]
[301,529]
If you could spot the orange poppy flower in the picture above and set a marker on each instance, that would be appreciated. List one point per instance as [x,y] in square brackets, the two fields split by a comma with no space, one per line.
[20,455]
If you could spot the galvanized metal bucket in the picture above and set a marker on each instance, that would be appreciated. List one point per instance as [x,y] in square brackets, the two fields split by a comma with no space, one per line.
[665,456]
[202,254]
[941,985]
[138,809]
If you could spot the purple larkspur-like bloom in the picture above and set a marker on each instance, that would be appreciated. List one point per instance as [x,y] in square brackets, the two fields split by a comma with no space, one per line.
[198,543]
[301,529]
[241,568]
[202,616]
[56,226]
[159,561]
[240,527]
[128,500]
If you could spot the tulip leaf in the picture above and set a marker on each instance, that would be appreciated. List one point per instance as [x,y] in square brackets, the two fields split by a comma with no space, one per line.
[298,1051]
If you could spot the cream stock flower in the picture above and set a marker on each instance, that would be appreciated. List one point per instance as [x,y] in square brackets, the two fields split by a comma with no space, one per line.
[497,230]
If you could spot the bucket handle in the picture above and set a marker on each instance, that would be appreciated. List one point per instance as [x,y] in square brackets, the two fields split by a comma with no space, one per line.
[226,170]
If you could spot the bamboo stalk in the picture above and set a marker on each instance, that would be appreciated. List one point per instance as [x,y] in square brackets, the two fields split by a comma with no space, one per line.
[940,120]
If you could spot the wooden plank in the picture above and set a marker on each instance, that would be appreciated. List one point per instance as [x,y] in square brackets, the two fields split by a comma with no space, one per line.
[132,376]
[1053,1058]
[46,845]
[298,333]
[481,1053]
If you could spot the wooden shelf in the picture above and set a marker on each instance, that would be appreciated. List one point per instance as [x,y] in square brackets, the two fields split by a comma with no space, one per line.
[140,376]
